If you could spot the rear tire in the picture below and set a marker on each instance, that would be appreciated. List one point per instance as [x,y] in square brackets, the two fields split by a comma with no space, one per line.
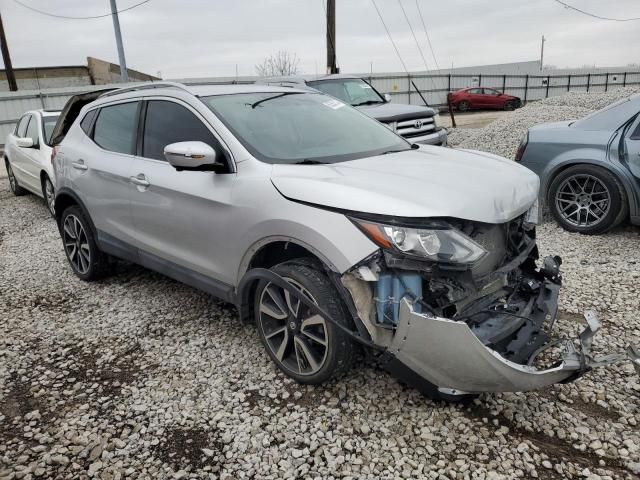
[305,347]
[463,106]
[87,261]
[587,199]
[17,190]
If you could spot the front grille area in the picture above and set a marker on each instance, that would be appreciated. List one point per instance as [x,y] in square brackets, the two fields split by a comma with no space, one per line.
[416,127]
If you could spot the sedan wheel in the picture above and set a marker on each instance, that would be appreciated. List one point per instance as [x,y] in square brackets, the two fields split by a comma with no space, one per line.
[49,195]
[463,106]
[587,199]
[13,181]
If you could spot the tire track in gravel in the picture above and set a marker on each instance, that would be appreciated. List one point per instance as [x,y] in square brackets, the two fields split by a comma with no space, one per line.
[556,449]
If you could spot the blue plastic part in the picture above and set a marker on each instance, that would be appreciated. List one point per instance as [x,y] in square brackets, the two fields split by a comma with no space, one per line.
[391,289]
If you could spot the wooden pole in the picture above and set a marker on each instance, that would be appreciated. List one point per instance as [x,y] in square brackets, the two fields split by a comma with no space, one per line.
[331,37]
[8,67]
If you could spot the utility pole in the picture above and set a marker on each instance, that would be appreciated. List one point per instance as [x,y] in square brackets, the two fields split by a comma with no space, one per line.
[331,37]
[124,74]
[8,67]
[542,53]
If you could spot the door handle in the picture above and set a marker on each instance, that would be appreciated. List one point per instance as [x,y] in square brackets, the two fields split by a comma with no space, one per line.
[79,165]
[139,180]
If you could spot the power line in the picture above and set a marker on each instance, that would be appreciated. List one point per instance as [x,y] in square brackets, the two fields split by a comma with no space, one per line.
[29,7]
[426,32]
[414,35]
[390,38]
[571,7]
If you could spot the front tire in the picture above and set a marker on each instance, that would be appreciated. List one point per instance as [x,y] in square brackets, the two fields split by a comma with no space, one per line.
[80,247]
[17,190]
[587,199]
[463,106]
[510,105]
[49,195]
[306,347]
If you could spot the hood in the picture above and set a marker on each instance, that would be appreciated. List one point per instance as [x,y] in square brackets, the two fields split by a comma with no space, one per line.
[393,112]
[428,182]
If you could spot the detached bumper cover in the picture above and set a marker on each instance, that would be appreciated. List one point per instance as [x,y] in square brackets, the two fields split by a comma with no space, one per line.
[446,353]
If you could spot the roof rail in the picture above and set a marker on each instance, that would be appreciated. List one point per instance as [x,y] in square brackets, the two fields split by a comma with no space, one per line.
[145,86]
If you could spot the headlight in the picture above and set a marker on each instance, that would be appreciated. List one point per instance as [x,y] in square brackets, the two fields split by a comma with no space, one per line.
[436,244]
[436,120]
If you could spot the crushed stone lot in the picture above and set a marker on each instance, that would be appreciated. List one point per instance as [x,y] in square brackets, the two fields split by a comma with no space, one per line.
[138,376]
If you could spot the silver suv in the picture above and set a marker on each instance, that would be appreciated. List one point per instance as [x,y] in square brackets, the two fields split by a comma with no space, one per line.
[324,227]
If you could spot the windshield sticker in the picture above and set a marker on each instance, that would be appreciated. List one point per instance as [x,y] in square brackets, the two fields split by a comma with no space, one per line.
[364,85]
[335,104]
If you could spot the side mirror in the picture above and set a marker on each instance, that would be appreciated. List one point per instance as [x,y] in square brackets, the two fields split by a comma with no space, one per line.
[387,97]
[192,156]
[25,142]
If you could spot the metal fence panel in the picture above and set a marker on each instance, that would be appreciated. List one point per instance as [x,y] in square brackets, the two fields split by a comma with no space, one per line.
[409,89]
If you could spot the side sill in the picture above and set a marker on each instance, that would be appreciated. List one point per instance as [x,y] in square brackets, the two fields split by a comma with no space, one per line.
[111,245]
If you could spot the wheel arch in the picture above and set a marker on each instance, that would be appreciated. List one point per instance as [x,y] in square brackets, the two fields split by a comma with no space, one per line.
[620,173]
[267,253]
[66,198]
[43,173]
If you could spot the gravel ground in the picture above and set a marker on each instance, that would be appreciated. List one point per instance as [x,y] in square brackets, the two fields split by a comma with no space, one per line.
[138,376]
[503,136]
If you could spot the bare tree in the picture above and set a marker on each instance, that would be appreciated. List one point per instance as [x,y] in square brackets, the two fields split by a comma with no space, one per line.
[282,63]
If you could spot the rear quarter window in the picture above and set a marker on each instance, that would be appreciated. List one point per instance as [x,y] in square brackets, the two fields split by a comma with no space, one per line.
[87,122]
[116,126]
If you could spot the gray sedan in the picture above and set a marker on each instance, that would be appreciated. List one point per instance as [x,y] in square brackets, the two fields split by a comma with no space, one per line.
[589,169]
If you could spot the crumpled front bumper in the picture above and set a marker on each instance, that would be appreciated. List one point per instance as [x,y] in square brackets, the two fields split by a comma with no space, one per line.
[447,354]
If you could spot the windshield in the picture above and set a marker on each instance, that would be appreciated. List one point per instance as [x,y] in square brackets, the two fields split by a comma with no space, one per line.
[291,127]
[48,123]
[353,91]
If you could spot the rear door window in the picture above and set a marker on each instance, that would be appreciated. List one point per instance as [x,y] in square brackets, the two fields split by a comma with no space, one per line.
[116,127]
[166,123]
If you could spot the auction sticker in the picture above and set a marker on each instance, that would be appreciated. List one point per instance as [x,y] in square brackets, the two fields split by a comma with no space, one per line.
[335,104]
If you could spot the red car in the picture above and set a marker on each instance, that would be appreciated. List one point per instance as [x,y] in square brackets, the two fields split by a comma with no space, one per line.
[482,97]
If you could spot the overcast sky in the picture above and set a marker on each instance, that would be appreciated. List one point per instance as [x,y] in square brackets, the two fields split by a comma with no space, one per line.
[196,38]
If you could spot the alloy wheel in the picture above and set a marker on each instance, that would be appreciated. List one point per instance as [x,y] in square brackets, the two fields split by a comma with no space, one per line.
[76,244]
[296,337]
[583,200]
[49,194]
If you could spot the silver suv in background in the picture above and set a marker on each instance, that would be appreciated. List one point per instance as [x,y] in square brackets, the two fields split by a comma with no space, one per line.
[322,226]
[416,123]
[27,155]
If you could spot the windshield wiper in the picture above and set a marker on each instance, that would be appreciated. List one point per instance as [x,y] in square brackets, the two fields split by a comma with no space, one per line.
[306,161]
[368,102]
[284,94]
[394,151]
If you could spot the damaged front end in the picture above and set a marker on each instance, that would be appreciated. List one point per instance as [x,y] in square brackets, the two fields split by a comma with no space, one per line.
[465,307]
